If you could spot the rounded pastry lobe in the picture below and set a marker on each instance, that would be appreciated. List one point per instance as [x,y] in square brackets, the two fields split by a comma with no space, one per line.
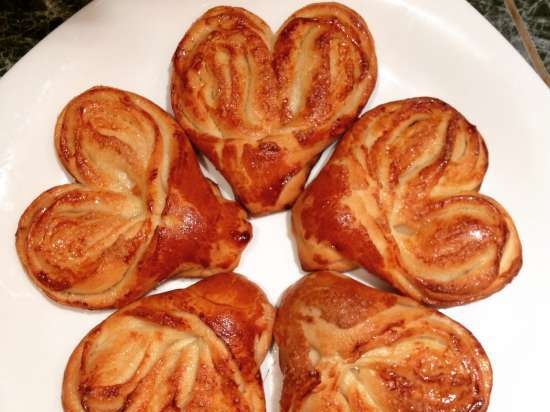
[400,198]
[344,346]
[194,349]
[139,212]
[262,107]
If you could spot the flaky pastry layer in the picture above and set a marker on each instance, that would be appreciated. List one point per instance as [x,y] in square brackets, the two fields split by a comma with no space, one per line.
[345,347]
[193,349]
[400,198]
[263,106]
[139,212]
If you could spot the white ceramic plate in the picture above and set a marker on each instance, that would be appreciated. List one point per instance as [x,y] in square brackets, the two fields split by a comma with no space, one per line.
[425,47]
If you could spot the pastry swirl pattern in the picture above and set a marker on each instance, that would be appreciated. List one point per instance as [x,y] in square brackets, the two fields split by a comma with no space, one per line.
[344,346]
[194,349]
[139,212]
[400,198]
[262,107]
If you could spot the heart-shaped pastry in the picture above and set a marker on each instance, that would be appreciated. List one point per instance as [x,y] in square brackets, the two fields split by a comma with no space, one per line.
[139,213]
[344,346]
[194,349]
[262,107]
[400,198]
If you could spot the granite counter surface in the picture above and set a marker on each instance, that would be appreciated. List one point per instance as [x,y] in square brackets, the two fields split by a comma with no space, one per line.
[23,23]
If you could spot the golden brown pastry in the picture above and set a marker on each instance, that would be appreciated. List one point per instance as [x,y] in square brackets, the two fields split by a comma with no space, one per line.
[194,349]
[400,198]
[139,212]
[347,347]
[262,107]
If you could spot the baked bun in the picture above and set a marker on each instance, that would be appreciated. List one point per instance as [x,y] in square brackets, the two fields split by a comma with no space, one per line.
[400,198]
[344,346]
[262,107]
[194,349]
[139,212]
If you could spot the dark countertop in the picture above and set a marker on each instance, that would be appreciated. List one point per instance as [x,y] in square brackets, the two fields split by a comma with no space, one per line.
[25,22]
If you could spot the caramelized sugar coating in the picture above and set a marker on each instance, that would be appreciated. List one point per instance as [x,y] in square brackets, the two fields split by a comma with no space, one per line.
[194,349]
[262,107]
[400,198]
[139,212]
[344,346]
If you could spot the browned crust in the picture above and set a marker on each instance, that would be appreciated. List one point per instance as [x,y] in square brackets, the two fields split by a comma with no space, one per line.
[226,318]
[262,107]
[400,198]
[345,346]
[139,212]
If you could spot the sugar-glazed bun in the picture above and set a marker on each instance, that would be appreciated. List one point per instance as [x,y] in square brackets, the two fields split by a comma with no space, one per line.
[400,198]
[139,212]
[194,349]
[263,106]
[344,346]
